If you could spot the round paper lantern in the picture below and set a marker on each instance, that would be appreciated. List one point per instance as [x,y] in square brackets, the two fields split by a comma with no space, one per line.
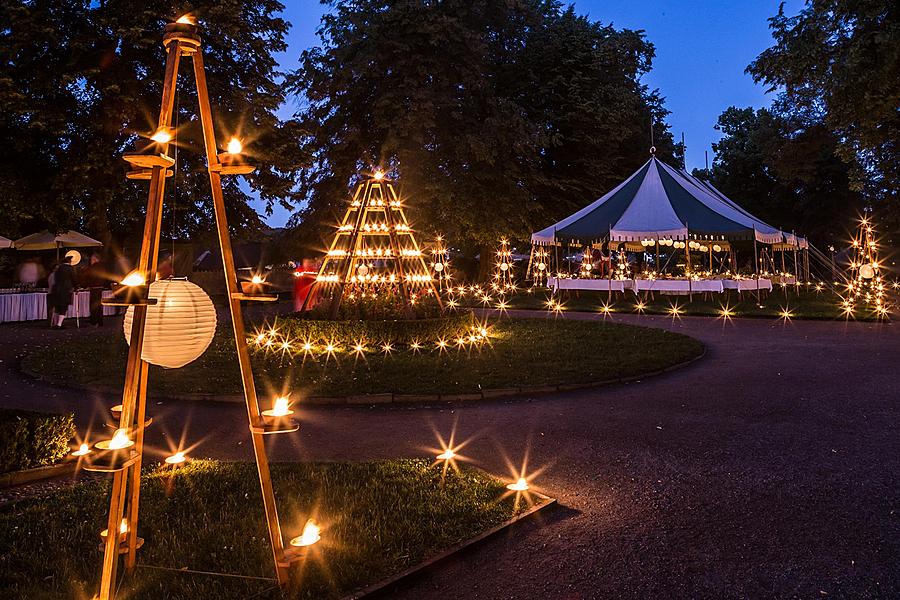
[362,270]
[542,266]
[438,267]
[74,257]
[504,267]
[717,248]
[867,271]
[180,326]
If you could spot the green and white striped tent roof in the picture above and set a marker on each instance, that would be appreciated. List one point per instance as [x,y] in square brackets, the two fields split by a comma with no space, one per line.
[658,201]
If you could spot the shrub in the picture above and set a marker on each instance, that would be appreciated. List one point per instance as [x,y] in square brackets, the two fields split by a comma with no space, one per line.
[376,332]
[31,439]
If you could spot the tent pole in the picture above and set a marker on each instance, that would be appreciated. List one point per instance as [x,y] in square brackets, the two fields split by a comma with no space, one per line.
[756,263]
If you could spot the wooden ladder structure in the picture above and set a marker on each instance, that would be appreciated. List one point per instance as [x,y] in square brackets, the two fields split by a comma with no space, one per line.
[181,41]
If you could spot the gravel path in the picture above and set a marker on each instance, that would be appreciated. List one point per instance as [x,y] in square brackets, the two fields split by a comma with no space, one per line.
[771,468]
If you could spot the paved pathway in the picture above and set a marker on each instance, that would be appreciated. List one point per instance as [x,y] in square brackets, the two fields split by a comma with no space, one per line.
[771,468]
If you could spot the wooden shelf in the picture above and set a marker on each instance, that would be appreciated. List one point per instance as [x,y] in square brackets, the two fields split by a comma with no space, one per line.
[110,461]
[149,160]
[145,174]
[272,425]
[254,297]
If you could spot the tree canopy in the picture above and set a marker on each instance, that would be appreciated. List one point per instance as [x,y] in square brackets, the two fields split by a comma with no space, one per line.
[785,171]
[498,116]
[81,80]
[838,62]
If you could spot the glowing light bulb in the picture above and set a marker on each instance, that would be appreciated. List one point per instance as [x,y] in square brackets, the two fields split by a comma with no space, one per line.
[379,175]
[83,449]
[519,486]
[176,459]
[186,20]
[134,278]
[447,454]
[311,534]
[235,146]
[119,441]
[161,136]
[256,280]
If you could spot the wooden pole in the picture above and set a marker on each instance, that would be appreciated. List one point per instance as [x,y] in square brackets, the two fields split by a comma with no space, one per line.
[134,365]
[237,322]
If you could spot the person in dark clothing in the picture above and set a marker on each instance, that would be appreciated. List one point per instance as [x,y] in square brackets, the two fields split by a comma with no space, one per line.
[61,288]
[93,279]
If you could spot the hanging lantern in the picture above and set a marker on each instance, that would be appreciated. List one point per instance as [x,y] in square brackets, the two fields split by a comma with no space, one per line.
[867,271]
[717,248]
[179,327]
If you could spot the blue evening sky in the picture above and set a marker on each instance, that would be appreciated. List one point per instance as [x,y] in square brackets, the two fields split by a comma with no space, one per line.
[702,49]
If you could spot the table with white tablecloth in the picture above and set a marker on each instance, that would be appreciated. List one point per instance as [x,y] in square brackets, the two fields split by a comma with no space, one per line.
[588,285]
[678,287]
[748,285]
[32,306]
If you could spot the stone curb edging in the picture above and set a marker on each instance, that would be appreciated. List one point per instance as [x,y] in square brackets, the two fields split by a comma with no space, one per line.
[24,476]
[376,589]
[392,398]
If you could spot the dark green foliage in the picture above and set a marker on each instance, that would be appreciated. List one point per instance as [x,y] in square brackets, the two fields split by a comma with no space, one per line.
[499,117]
[521,352]
[785,171]
[32,439]
[396,332]
[838,62]
[80,81]
[378,518]
[367,304]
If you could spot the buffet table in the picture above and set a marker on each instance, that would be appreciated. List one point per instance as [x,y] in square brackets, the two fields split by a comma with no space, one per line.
[748,285]
[32,306]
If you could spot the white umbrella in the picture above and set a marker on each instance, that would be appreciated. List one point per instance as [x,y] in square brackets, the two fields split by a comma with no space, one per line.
[45,240]
[5,242]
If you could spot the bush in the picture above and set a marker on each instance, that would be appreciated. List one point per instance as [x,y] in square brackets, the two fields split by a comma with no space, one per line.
[361,304]
[376,332]
[31,439]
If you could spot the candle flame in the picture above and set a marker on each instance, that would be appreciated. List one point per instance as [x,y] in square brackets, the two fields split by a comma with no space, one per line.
[134,278]
[186,20]
[256,280]
[83,450]
[520,486]
[311,534]
[119,440]
[379,175]
[161,136]
[235,146]
[447,454]
[281,407]
[176,459]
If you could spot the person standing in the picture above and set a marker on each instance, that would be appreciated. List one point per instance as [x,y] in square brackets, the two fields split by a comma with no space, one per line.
[93,279]
[60,296]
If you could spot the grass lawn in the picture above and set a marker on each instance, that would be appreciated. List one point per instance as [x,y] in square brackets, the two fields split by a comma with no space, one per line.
[522,352]
[805,305]
[377,519]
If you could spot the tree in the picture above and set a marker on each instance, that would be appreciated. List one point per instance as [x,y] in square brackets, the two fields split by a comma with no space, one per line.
[498,116]
[838,61]
[80,81]
[785,171]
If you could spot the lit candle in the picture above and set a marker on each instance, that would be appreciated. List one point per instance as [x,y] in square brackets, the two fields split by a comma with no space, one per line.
[83,449]
[176,459]
[281,408]
[519,486]
[235,146]
[161,136]
[447,454]
[134,278]
[119,441]
[311,534]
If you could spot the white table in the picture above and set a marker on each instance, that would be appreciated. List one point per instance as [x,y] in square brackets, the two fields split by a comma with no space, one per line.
[678,287]
[32,306]
[589,285]
[747,285]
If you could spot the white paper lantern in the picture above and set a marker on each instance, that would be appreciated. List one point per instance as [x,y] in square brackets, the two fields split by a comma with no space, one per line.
[180,326]
[867,271]
[438,267]
[504,267]
[542,266]
[717,248]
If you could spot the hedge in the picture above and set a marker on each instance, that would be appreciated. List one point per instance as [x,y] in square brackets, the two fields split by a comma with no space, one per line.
[376,332]
[32,439]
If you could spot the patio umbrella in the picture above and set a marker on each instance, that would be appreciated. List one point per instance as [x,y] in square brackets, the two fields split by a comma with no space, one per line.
[45,240]
[5,242]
